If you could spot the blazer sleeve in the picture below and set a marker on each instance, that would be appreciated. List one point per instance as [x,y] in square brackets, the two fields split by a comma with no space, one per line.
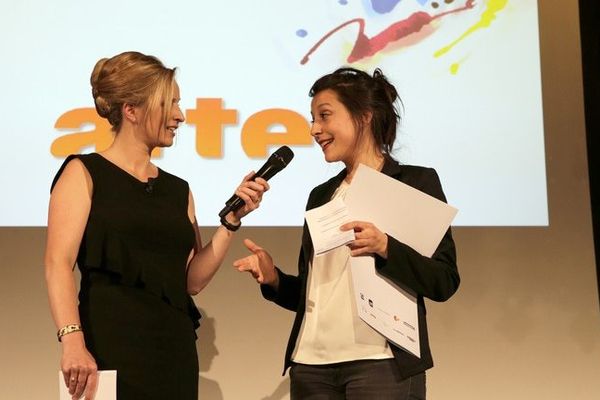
[288,295]
[437,277]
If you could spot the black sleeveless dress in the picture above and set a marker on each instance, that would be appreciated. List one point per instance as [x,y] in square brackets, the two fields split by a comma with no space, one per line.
[135,312]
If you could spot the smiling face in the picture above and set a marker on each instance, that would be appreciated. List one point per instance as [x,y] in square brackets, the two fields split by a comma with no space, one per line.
[161,126]
[333,128]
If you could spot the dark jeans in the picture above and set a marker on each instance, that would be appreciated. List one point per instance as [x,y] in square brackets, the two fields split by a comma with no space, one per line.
[354,380]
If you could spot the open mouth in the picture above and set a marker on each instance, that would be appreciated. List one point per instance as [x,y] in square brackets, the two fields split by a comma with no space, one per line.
[325,143]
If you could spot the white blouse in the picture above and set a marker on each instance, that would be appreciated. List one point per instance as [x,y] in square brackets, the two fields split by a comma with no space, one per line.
[331,330]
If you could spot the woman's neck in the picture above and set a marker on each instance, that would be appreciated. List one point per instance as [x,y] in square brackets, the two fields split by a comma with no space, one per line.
[131,154]
[373,160]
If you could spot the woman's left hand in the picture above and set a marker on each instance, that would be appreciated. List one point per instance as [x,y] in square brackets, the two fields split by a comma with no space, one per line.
[368,239]
[251,192]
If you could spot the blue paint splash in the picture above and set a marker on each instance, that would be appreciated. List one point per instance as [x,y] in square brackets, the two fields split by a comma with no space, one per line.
[385,6]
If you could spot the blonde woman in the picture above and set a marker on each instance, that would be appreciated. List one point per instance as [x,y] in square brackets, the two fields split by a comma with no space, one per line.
[131,229]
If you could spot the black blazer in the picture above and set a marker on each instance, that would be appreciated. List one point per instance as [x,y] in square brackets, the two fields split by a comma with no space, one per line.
[435,278]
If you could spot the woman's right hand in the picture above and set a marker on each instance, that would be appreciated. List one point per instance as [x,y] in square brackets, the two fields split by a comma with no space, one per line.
[259,264]
[78,367]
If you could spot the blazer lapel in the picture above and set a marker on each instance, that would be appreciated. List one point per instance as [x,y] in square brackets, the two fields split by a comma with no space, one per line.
[391,167]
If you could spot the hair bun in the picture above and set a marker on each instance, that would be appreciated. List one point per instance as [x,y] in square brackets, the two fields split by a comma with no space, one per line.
[102,106]
[389,89]
[95,77]
[130,78]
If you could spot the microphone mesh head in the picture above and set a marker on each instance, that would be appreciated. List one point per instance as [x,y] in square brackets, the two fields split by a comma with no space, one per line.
[283,155]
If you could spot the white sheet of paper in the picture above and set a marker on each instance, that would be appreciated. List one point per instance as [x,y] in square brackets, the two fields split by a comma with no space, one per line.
[388,308]
[324,225]
[411,217]
[403,212]
[106,389]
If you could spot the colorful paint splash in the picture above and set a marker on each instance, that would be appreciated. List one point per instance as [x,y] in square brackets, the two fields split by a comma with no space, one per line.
[365,47]
[384,6]
[488,15]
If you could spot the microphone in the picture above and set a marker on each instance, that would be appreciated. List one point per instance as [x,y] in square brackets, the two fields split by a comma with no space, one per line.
[276,162]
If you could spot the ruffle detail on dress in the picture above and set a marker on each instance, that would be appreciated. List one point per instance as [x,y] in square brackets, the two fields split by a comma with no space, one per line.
[137,265]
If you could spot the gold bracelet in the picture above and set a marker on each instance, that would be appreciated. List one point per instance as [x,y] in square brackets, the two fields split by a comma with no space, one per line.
[65,330]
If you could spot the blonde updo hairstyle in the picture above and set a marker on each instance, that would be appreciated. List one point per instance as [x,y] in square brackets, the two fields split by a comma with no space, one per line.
[131,78]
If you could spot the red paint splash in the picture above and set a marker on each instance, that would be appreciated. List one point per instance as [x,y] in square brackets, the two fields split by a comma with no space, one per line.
[367,47]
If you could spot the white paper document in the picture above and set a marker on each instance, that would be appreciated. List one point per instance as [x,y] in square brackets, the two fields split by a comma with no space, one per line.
[106,389]
[389,309]
[324,225]
[411,217]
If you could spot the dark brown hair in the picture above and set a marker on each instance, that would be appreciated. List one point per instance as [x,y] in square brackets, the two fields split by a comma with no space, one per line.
[362,94]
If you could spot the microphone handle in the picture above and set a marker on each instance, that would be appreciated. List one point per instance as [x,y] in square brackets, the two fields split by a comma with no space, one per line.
[235,202]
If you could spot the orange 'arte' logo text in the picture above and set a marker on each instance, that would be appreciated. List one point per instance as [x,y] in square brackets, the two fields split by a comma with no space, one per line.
[209,117]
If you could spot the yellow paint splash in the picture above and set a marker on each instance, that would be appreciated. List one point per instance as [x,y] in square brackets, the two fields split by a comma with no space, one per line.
[488,15]
[454,68]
